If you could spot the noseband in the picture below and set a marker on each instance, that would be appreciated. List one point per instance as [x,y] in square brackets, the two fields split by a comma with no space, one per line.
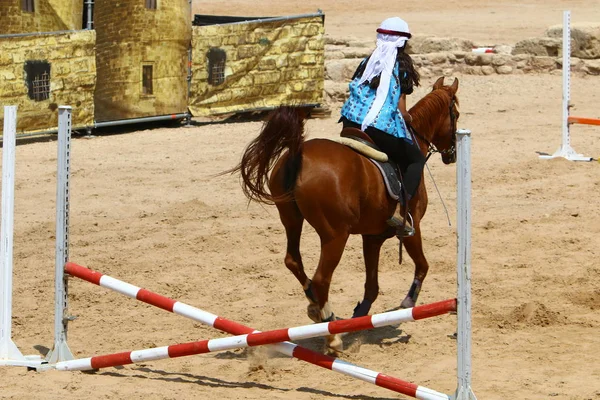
[431,148]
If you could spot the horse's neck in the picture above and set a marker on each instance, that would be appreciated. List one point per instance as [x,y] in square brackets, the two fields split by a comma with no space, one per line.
[427,119]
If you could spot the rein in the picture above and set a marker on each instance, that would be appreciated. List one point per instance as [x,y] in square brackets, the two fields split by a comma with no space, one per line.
[431,148]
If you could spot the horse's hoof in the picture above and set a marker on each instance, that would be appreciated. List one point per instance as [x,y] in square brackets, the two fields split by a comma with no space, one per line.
[335,344]
[313,312]
[362,309]
[407,303]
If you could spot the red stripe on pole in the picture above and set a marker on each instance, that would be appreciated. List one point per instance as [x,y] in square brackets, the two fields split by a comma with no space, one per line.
[155,299]
[312,357]
[231,327]
[111,360]
[83,273]
[350,325]
[397,385]
[257,339]
[188,349]
[434,309]
[585,121]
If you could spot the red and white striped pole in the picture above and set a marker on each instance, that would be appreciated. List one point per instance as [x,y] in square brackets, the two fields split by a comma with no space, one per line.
[247,338]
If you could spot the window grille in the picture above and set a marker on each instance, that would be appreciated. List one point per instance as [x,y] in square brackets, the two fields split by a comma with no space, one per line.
[216,66]
[27,5]
[37,76]
[147,88]
[151,4]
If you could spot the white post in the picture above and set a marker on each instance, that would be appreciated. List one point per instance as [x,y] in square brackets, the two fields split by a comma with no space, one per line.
[463,178]
[9,353]
[61,351]
[565,150]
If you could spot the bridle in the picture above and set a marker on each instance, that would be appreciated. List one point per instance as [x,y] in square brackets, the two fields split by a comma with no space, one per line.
[431,148]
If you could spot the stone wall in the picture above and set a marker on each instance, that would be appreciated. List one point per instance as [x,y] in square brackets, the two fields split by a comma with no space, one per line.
[49,16]
[448,56]
[267,63]
[131,36]
[72,64]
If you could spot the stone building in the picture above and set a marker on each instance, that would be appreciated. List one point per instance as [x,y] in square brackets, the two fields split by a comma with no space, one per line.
[46,60]
[27,16]
[253,64]
[141,57]
[116,62]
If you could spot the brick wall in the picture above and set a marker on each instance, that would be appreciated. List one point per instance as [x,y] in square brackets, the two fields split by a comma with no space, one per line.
[49,16]
[129,36]
[72,78]
[268,64]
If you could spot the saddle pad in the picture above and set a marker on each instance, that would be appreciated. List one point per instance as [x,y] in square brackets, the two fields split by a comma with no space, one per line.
[390,178]
[381,161]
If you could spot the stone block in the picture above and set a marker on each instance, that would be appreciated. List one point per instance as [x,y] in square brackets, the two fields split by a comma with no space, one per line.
[504,69]
[585,39]
[487,70]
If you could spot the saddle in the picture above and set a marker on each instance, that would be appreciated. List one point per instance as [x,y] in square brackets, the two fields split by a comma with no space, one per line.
[363,144]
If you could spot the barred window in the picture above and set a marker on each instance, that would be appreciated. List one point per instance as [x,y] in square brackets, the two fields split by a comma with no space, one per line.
[216,66]
[147,88]
[151,4]
[28,5]
[37,77]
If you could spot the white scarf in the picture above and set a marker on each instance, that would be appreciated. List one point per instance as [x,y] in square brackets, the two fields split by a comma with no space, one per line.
[382,62]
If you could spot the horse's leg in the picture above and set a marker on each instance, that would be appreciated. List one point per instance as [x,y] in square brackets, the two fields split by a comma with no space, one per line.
[292,221]
[371,249]
[414,247]
[331,253]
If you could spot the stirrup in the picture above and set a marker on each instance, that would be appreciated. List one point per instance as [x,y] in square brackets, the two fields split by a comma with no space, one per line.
[409,229]
[406,229]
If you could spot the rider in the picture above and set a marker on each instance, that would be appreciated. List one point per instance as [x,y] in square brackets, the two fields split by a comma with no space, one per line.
[378,91]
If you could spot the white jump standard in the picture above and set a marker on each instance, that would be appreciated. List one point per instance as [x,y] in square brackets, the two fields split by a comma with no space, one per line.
[565,150]
[9,353]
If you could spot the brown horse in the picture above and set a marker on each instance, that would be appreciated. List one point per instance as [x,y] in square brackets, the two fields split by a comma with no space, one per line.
[340,192]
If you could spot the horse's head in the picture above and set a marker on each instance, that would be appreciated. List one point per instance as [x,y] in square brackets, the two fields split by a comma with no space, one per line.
[445,139]
[437,115]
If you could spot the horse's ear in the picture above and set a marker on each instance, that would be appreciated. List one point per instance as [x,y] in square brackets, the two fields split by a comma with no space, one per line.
[454,86]
[439,83]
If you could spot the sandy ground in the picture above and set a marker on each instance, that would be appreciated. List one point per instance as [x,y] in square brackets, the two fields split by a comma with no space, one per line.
[146,209]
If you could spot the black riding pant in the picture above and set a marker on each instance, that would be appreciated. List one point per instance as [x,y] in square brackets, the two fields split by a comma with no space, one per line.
[407,155]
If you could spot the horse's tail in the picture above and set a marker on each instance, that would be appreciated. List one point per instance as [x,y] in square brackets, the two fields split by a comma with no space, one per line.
[284,130]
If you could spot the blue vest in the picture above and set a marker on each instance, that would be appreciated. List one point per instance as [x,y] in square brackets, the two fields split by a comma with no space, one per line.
[389,119]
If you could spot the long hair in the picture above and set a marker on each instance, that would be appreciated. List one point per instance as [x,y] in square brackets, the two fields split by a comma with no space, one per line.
[405,64]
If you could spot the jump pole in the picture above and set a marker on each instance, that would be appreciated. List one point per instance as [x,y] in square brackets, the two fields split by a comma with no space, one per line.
[247,336]
[60,351]
[9,353]
[565,150]
[463,264]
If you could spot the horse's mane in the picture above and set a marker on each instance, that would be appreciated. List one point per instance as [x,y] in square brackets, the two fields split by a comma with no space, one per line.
[429,105]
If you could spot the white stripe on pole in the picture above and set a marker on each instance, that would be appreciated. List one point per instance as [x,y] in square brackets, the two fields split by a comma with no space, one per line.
[428,394]
[119,286]
[392,317]
[157,353]
[285,348]
[355,371]
[307,331]
[194,313]
[228,343]
[81,364]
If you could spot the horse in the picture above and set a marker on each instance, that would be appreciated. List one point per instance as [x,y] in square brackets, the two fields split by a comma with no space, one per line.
[340,192]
